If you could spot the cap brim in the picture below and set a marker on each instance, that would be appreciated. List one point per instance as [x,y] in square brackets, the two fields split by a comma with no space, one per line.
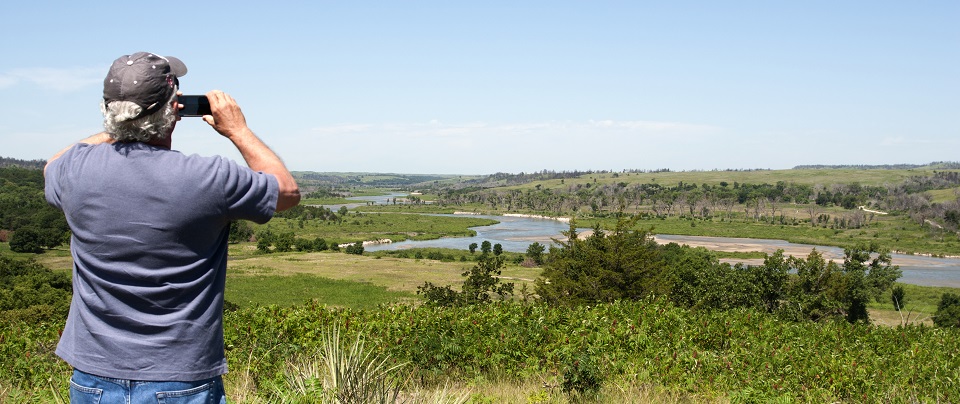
[176,66]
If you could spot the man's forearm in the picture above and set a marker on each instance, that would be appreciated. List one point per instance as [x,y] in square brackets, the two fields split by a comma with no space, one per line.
[259,157]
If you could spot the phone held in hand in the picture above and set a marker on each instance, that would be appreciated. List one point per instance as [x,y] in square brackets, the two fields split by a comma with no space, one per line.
[194,105]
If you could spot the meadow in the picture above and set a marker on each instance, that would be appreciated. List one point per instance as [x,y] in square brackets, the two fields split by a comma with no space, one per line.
[397,226]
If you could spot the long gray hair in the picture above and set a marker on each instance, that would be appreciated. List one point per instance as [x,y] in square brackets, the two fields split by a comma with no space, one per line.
[119,122]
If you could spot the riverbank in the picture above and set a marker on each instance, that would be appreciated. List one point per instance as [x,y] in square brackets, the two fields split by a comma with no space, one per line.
[524,215]
[367,243]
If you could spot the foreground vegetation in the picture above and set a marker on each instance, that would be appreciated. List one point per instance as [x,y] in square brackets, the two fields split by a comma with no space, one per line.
[518,350]
[742,355]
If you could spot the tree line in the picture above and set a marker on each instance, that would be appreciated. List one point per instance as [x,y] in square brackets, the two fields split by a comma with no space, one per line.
[27,222]
[626,264]
[725,200]
[12,162]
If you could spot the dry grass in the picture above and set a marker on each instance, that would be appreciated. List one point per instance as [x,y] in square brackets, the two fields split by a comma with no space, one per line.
[893,318]
[535,390]
[403,275]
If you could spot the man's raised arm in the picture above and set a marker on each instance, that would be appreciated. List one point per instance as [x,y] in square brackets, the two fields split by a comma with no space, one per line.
[228,120]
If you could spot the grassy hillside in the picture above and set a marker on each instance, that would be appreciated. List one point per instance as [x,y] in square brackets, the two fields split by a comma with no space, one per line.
[825,177]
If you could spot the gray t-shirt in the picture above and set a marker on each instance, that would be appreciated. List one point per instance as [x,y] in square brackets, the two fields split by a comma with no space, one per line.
[149,245]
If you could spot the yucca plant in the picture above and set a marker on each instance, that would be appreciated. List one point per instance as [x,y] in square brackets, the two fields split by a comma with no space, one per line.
[344,375]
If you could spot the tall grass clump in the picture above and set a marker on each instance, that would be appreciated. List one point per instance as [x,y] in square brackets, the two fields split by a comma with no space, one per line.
[341,374]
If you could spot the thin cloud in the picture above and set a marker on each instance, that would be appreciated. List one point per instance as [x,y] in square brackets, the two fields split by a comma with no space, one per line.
[7,80]
[436,146]
[436,129]
[343,129]
[55,79]
[653,126]
[908,141]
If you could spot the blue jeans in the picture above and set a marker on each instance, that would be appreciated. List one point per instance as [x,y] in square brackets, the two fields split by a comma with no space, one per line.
[87,388]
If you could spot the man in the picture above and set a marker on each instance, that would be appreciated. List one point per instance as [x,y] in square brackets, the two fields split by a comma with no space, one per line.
[149,244]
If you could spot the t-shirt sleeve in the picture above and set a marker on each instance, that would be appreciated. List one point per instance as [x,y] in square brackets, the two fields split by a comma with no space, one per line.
[51,177]
[249,195]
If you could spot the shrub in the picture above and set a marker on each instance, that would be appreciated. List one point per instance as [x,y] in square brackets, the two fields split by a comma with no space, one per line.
[26,240]
[240,231]
[535,252]
[948,311]
[898,296]
[32,293]
[303,245]
[319,244]
[481,284]
[355,248]
[581,375]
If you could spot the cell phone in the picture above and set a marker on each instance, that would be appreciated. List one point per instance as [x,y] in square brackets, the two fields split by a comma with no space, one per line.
[194,105]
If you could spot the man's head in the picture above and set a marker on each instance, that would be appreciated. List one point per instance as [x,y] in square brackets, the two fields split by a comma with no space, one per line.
[138,96]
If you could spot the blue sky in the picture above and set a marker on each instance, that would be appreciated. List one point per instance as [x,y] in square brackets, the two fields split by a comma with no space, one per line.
[516,86]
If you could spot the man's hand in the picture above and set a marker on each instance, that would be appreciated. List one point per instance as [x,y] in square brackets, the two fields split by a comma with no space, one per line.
[226,117]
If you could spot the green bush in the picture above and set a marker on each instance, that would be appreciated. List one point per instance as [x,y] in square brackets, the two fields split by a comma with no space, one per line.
[31,293]
[355,248]
[34,302]
[240,231]
[581,375]
[742,354]
[481,285]
[628,264]
[26,240]
[948,311]
[645,342]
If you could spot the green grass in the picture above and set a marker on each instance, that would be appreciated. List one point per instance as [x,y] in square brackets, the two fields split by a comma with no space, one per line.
[743,255]
[327,201]
[943,195]
[375,226]
[290,290]
[370,192]
[918,299]
[59,252]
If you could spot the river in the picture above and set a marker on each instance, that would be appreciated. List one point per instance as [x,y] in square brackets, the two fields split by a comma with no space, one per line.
[365,200]
[515,234]
[917,269]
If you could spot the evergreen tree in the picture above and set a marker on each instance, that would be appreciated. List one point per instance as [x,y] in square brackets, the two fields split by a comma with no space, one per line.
[948,311]
[602,268]
[866,278]
[485,247]
[26,240]
[535,252]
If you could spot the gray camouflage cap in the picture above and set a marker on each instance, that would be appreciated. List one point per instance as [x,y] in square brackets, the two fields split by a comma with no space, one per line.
[143,78]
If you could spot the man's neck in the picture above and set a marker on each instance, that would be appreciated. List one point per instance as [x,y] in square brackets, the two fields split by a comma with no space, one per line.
[164,143]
